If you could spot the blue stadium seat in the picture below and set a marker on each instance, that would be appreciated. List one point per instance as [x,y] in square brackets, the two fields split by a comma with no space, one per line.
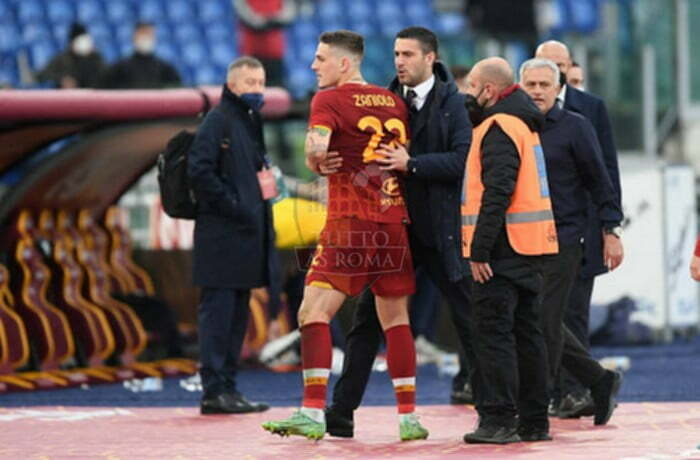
[220,32]
[300,81]
[451,24]
[207,75]
[359,10]
[388,10]
[329,10]
[418,12]
[304,30]
[306,52]
[100,31]
[222,53]
[40,53]
[214,10]
[60,33]
[10,38]
[194,53]
[109,51]
[119,12]
[167,50]
[164,33]
[187,33]
[88,11]
[30,11]
[123,32]
[179,11]
[363,26]
[151,11]
[60,11]
[389,28]
[35,31]
[6,12]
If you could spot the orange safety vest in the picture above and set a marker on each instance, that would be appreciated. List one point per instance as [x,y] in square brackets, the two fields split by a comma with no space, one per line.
[529,219]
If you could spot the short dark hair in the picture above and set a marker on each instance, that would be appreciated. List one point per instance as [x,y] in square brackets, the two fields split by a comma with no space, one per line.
[459,71]
[426,37]
[143,25]
[347,40]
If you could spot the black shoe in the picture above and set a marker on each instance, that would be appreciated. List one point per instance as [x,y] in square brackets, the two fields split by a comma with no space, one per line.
[230,403]
[533,434]
[464,395]
[339,424]
[493,434]
[576,406]
[603,393]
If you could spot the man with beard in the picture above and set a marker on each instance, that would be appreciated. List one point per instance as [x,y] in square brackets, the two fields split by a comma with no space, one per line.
[431,170]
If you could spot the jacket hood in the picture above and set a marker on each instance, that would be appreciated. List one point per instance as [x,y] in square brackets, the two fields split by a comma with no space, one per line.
[518,103]
[443,81]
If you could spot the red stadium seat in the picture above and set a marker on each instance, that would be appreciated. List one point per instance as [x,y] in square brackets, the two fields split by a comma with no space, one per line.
[14,344]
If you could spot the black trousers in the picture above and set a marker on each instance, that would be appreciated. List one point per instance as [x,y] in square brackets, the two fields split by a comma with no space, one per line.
[223,320]
[511,361]
[560,271]
[576,319]
[362,342]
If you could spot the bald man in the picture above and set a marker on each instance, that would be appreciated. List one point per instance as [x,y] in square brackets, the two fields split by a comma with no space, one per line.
[575,400]
[510,352]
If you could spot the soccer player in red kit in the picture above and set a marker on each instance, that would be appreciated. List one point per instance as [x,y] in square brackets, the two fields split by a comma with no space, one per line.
[364,241]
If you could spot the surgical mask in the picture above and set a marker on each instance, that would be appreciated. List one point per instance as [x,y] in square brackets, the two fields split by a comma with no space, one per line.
[254,100]
[476,111]
[145,45]
[83,45]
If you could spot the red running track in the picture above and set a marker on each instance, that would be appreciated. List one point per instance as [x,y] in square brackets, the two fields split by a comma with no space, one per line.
[637,431]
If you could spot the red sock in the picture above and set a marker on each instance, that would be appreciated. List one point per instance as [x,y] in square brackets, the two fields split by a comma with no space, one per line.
[316,355]
[401,359]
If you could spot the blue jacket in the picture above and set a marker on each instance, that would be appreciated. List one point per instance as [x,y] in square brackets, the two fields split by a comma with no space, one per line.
[575,172]
[593,108]
[233,235]
[438,150]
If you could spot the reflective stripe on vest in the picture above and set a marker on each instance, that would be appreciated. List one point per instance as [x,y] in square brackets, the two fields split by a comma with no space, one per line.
[529,220]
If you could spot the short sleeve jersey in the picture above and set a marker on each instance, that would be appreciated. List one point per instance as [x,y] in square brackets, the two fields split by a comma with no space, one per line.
[361,117]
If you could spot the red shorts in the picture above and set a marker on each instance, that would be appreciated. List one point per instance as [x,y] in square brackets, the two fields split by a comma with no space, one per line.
[354,253]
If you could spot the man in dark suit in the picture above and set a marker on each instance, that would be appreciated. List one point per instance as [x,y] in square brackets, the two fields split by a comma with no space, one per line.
[575,170]
[432,174]
[233,236]
[576,317]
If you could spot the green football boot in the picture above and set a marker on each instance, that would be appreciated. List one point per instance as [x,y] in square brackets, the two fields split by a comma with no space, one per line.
[411,429]
[298,424]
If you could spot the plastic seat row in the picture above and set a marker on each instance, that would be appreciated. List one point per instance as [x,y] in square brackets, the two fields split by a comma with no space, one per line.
[59,307]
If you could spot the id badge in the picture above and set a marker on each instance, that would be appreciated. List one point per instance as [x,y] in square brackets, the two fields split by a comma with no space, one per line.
[268,184]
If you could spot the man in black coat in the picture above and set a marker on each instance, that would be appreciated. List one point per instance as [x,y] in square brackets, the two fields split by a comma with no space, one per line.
[576,318]
[575,170]
[433,171]
[233,235]
[143,69]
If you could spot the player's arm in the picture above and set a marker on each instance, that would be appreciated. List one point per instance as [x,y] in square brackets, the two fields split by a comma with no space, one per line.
[318,139]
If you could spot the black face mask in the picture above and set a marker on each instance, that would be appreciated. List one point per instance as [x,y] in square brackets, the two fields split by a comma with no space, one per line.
[476,111]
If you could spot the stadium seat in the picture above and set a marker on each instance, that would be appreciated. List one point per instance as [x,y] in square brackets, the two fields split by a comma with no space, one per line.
[14,343]
[207,75]
[119,12]
[60,32]
[47,326]
[151,11]
[329,11]
[186,34]
[220,32]
[167,51]
[88,11]
[60,11]
[130,337]
[194,54]
[180,11]
[10,38]
[450,24]
[35,31]
[30,11]
[93,336]
[222,53]
[214,10]
[40,53]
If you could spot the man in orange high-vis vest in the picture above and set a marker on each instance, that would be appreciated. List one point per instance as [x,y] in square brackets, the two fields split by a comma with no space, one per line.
[507,228]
